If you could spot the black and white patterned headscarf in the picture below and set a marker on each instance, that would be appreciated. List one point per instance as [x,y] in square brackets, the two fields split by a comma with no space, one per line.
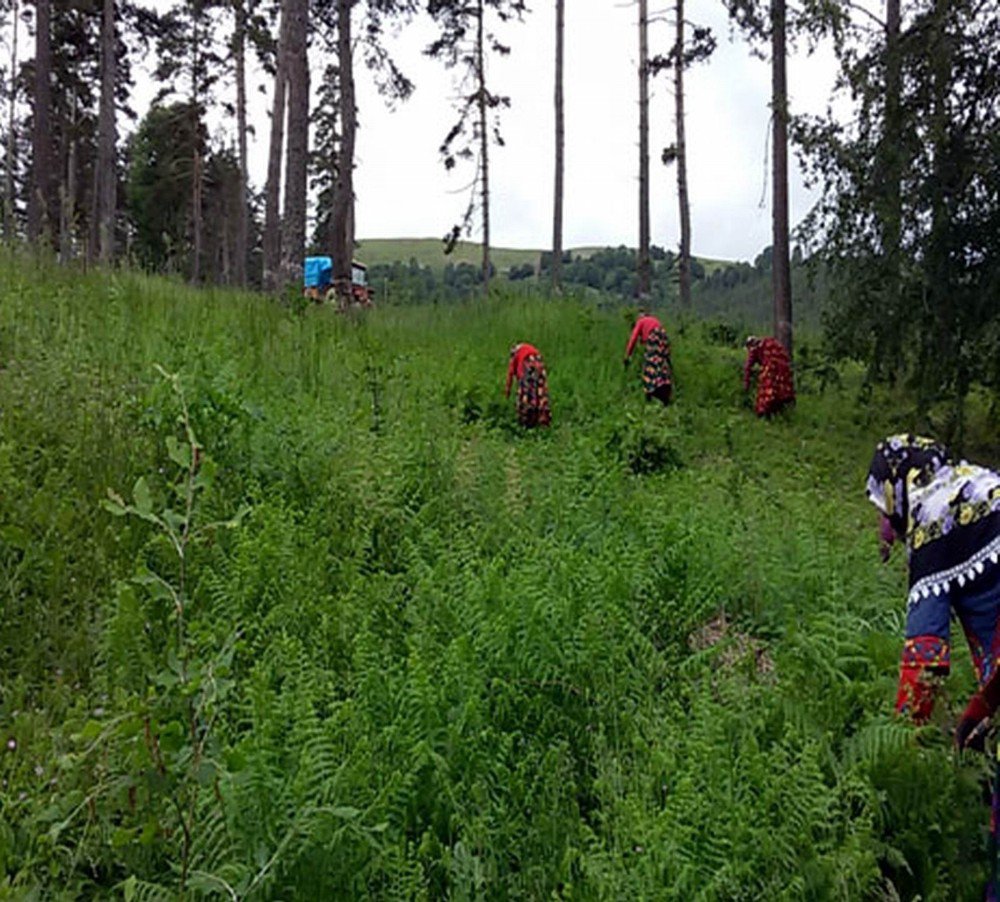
[948,510]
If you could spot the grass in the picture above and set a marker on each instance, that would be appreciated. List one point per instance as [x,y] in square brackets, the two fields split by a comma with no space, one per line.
[649,653]
[430,252]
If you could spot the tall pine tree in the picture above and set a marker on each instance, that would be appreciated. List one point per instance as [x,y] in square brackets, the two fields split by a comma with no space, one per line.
[464,42]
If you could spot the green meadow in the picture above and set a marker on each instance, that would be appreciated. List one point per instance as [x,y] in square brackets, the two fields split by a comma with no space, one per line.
[430,252]
[291,609]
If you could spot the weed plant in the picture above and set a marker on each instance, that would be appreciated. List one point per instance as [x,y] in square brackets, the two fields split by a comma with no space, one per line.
[341,630]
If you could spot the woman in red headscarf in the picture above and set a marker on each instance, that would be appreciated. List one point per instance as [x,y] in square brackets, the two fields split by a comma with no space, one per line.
[657,376]
[527,366]
[775,390]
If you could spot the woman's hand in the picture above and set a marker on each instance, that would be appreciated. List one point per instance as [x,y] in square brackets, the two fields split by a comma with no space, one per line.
[886,535]
[973,724]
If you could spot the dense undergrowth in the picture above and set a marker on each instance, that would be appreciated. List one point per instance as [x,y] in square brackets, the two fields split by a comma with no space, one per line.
[340,630]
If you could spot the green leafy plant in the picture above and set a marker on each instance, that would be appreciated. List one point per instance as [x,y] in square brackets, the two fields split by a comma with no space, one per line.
[443,659]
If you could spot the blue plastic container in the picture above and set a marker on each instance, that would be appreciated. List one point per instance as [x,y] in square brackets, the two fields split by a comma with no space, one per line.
[318,272]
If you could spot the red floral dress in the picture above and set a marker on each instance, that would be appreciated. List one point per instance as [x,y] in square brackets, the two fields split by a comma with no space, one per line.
[775,389]
[527,366]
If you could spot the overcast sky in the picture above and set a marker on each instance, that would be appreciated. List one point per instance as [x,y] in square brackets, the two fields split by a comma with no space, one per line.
[404,191]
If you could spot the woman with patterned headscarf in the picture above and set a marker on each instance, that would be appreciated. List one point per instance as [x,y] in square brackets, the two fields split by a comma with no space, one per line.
[948,513]
[775,390]
[657,376]
[527,366]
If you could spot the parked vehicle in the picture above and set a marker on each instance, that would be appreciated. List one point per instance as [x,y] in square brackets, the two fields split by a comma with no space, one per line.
[318,282]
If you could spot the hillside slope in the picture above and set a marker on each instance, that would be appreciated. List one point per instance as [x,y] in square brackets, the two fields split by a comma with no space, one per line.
[372,641]
[430,252]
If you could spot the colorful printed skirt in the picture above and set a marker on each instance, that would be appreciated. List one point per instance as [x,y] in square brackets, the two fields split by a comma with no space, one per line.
[657,377]
[775,390]
[533,394]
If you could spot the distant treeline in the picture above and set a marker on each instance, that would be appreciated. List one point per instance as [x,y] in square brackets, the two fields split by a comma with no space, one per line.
[739,292]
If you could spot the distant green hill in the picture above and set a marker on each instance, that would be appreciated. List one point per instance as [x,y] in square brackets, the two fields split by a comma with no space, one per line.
[430,252]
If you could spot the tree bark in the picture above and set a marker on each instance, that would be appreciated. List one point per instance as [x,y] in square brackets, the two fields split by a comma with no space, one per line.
[43,202]
[67,193]
[644,266]
[781,268]
[293,232]
[9,200]
[105,194]
[484,141]
[242,213]
[197,230]
[943,341]
[343,199]
[272,189]
[684,261]
[892,214]
[557,214]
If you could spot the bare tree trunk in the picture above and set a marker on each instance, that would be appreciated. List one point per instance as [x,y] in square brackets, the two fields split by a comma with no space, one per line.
[67,192]
[9,201]
[643,261]
[781,269]
[684,263]
[943,341]
[293,232]
[272,190]
[226,249]
[893,83]
[325,234]
[42,200]
[343,197]
[196,162]
[242,213]
[106,178]
[197,229]
[557,215]
[484,141]
[350,224]
[892,215]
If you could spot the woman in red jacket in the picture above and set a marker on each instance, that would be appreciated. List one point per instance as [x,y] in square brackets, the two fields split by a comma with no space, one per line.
[527,366]
[657,377]
[775,390]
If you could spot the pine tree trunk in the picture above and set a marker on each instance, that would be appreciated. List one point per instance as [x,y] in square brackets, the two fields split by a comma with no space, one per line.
[226,248]
[684,262]
[43,199]
[105,195]
[67,194]
[9,200]
[941,340]
[643,260]
[892,215]
[293,232]
[197,230]
[242,212]
[272,189]
[484,142]
[343,198]
[557,215]
[781,268]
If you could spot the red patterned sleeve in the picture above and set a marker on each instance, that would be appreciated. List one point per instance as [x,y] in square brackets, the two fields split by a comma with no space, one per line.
[923,658]
[632,340]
